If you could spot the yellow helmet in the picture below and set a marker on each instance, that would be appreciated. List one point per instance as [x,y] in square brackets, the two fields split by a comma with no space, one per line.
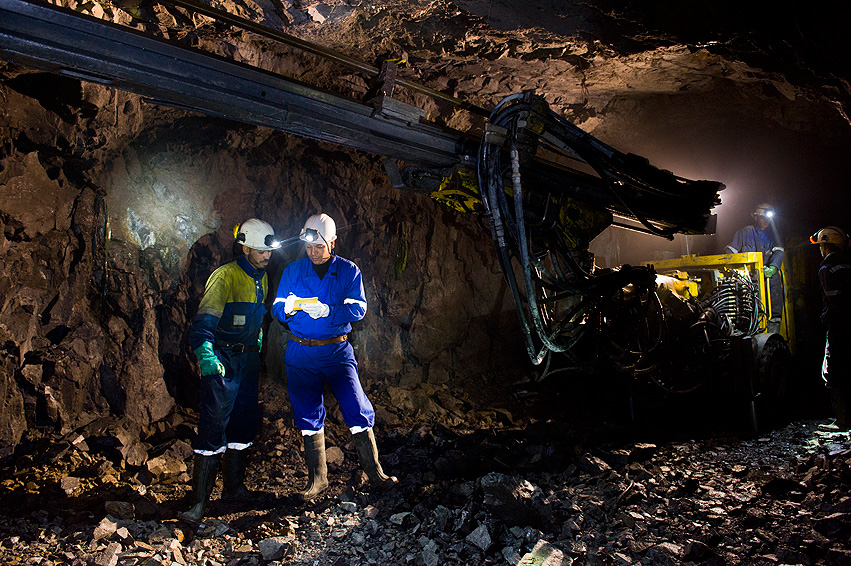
[830,235]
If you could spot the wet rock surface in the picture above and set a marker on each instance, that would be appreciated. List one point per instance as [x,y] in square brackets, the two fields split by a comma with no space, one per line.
[515,491]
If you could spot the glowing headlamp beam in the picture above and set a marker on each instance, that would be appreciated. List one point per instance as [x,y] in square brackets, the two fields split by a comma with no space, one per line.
[272,242]
[311,235]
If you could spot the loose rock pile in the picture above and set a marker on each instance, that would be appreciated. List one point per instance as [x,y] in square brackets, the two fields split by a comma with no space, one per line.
[521,493]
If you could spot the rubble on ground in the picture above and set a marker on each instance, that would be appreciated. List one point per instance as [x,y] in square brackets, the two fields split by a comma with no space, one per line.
[532,493]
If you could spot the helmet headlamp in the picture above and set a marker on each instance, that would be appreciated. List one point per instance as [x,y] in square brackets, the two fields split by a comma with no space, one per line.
[272,242]
[310,235]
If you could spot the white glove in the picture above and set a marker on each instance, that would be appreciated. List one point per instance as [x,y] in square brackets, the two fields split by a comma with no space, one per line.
[289,304]
[316,310]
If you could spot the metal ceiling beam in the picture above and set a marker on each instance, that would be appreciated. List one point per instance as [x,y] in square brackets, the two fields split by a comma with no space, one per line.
[61,41]
[330,54]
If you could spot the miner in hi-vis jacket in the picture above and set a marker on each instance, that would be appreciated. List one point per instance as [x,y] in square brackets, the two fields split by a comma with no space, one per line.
[226,336]
[318,297]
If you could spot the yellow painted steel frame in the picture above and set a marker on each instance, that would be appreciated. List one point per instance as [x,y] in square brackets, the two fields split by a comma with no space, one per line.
[747,261]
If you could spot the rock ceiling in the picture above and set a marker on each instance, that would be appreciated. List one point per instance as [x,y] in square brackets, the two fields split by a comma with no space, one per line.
[755,96]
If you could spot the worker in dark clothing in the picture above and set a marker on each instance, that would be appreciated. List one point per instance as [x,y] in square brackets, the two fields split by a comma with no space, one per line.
[319,296]
[226,337]
[835,277]
[761,236]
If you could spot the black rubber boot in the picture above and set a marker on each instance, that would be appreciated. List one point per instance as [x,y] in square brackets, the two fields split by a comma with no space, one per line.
[204,470]
[317,467]
[233,478]
[840,409]
[368,456]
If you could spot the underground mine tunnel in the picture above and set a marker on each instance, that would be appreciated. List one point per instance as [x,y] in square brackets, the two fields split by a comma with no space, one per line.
[567,364]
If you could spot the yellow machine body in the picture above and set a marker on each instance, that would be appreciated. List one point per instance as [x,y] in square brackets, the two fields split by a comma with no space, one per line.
[719,266]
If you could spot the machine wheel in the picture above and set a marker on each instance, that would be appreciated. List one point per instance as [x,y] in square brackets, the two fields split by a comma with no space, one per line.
[771,379]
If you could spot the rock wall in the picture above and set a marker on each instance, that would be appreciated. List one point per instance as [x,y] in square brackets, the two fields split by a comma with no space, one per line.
[114,212]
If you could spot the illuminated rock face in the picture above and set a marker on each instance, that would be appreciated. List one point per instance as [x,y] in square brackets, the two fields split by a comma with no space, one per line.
[95,323]
[114,210]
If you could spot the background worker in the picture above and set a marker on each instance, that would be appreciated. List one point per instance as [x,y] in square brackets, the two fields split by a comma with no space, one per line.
[318,352]
[226,336]
[835,278]
[761,236]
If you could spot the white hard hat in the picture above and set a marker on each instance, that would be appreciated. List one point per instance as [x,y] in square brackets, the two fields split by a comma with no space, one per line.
[319,223]
[830,235]
[257,235]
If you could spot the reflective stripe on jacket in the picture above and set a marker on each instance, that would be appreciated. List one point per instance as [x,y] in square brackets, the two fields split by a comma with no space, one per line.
[752,239]
[835,277]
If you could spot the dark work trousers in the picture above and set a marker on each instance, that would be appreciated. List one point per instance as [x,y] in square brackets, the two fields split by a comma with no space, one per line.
[775,298]
[835,369]
[230,412]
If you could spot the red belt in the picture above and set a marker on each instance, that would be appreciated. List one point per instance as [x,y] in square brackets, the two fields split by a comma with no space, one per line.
[312,342]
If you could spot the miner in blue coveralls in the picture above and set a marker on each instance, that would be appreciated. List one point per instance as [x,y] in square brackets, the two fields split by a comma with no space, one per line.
[761,236]
[835,278]
[318,297]
[226,337]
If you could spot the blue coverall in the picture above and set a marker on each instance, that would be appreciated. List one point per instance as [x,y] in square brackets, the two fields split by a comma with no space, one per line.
[752,239]
[230,316]
[310,367]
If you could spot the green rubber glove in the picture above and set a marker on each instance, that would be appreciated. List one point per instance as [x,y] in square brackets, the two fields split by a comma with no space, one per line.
[210,364]
[260,340]
[769,271]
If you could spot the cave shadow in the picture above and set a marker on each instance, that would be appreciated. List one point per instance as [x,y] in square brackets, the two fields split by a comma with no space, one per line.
[605,407]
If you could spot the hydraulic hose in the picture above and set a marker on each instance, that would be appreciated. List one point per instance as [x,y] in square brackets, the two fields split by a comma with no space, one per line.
[524,254]
[567,279]
[489,178]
